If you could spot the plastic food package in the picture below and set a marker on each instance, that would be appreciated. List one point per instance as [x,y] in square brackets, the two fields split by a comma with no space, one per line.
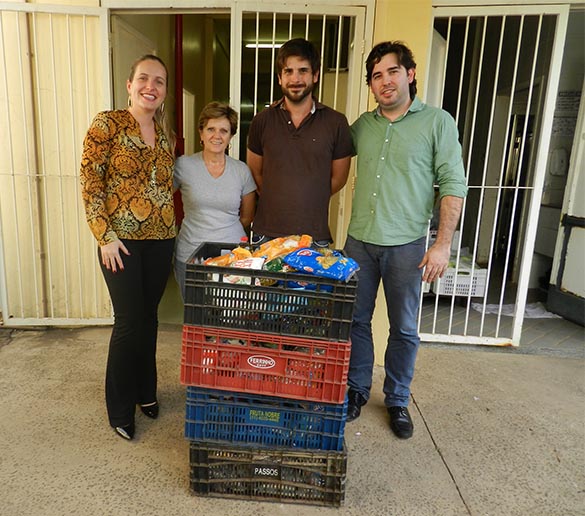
[245,263]
[325,263]
[281,246]
[227,260]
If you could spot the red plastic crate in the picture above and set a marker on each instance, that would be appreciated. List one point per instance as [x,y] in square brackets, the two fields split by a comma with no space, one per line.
[275,365]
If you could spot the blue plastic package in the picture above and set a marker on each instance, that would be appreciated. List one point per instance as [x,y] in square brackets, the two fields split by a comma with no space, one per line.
[324,263]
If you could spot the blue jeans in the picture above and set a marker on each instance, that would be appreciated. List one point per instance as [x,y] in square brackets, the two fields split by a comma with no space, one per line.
[397,267]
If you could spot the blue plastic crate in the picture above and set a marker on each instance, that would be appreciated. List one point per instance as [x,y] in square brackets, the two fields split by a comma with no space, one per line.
[227,417]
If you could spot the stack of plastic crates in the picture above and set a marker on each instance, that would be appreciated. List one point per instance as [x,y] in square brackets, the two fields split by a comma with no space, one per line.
[265,358]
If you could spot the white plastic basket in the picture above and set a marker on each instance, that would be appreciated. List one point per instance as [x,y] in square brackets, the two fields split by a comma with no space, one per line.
[446,284]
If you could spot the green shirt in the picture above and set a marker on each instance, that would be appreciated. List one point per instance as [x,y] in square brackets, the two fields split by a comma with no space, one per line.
[398,164]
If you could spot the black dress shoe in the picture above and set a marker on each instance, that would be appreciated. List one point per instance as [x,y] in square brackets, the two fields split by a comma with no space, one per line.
[126,431]
[355,402]
[400,422]
[151,410]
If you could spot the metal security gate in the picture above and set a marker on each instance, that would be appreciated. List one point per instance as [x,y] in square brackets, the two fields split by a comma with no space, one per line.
[496,70]
[341,33]
[53,70]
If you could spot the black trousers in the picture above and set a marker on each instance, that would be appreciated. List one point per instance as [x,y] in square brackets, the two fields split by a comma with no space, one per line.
[136,292]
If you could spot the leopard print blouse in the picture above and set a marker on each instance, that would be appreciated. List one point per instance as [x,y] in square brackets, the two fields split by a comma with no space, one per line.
[127,186]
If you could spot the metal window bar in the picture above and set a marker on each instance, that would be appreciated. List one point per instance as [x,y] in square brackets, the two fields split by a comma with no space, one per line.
[338,58]
[272,58]
[256,56]
[463,57]
[484,179]
[468,167]
[521,156]
[502,173]
[463,209]
[436,307]
[323,26]
[447,44]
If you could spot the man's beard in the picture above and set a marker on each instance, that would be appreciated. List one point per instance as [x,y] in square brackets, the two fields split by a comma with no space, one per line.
[297,97]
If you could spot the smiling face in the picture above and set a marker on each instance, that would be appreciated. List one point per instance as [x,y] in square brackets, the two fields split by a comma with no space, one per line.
[297,79]
[216,135]
[148,86]
[390,85]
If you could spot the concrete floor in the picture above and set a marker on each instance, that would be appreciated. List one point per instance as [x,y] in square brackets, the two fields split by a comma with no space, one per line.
[497,432]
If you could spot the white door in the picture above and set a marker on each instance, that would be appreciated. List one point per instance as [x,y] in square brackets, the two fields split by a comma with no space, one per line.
[55,77]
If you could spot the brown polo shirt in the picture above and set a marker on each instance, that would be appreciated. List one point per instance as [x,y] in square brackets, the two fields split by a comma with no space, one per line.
[296,175]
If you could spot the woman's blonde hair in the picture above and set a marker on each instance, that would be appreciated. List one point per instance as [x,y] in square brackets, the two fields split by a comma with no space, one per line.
[160,115]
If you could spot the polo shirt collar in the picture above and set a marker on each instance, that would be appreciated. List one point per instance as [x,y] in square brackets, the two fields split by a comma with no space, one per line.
[316,105]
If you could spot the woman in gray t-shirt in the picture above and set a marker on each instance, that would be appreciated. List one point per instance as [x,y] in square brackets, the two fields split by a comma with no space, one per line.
[218,192]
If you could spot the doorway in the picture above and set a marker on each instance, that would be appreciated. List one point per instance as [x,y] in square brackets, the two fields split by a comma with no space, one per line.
[230,56]
[500,72]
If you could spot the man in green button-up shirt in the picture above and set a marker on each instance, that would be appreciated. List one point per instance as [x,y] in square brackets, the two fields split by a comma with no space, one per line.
[404,148]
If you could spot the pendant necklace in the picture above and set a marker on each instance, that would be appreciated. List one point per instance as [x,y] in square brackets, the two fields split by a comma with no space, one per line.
[153,174]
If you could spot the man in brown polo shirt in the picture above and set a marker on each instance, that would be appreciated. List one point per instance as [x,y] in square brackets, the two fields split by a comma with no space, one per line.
[299,152]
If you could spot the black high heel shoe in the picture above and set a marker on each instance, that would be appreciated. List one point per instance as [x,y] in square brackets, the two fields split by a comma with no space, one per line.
[126,431]
[150,410]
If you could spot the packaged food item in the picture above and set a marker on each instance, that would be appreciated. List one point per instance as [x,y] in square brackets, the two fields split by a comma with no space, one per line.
[245,243]
[278,265]
[246,263]
[323,262]
[227,260]
[281,246]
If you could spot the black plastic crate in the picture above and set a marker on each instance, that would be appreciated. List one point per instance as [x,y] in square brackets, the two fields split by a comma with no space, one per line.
[236,418]
[284,476]
[268,302]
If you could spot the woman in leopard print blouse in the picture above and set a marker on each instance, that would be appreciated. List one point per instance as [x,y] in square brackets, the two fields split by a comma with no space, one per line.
[127,189]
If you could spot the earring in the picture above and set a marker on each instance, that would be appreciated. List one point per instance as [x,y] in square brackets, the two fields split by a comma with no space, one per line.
[129,101]
[162,108]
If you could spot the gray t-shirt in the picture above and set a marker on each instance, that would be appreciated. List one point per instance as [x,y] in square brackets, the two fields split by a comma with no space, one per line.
[211,205]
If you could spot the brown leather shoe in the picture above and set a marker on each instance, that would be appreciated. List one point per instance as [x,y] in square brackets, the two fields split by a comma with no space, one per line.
[354,404]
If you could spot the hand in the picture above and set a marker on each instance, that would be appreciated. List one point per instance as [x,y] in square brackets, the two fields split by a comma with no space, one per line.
[435,261]
[111,255]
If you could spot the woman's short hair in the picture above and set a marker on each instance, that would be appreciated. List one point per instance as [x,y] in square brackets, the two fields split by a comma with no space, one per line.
[215,110]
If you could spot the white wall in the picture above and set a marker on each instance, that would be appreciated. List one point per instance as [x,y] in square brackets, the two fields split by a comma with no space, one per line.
[557,184]
[573,80]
